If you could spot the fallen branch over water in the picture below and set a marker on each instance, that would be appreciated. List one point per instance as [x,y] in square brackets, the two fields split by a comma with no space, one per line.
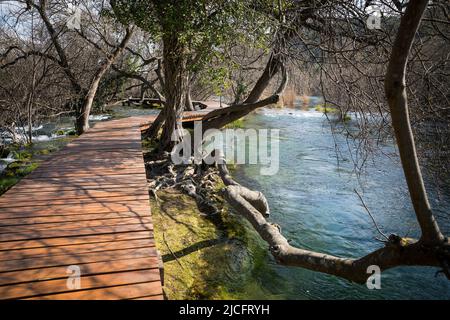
[397,251]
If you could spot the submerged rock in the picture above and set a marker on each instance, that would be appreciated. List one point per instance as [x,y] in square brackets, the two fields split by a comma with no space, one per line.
[240,262]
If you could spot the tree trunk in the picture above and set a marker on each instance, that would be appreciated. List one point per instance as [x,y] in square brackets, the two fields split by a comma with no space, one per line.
[153,130]
[30,120]
[175,88]
[188,105]
[272,67]
[395,85]
[30,101]
[82,117]
[218,118]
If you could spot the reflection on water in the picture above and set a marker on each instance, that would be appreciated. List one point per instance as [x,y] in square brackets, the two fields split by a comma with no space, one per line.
[312,198]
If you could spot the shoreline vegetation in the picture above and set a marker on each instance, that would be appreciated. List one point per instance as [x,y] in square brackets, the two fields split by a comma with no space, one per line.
[25,158]
[20,158]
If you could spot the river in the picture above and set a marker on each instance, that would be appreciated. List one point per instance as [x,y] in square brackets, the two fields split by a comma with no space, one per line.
[312,198]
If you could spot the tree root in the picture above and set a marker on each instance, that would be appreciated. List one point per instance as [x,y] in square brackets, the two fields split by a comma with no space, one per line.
[193,180]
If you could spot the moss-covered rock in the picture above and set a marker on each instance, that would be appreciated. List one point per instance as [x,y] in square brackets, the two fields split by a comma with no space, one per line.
[205,257]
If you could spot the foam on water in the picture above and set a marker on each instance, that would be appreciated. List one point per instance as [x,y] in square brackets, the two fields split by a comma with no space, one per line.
[100,117]
[295,113]
[4,162]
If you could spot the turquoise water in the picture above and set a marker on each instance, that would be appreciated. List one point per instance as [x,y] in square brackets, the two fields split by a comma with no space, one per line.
[312,198]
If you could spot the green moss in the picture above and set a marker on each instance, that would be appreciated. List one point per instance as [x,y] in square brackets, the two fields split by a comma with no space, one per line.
[22,155]
[7,182]
[320,108]
[347,118]
[20,168]
[28,158]
[24,170]
[14,172]
[236,124]
[148,145]
[215,255]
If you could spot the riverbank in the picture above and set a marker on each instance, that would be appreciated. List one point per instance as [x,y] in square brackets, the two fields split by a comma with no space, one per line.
[208,251]
[21,160]
[205,257]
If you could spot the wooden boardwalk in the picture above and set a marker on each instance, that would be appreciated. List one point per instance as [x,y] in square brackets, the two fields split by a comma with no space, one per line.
[87,206]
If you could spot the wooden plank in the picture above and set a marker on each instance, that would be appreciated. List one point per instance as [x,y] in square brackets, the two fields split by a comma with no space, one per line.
[25,290]
[76,193]
[152,290]
[86,181]
[69,209]
[55,233]
[86,173]
[49,273]
[122,146]
[73,154]
[32,220]
[82,239]
[49,187]
[53,193]
[54,202]
[90,165]
[75,258]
